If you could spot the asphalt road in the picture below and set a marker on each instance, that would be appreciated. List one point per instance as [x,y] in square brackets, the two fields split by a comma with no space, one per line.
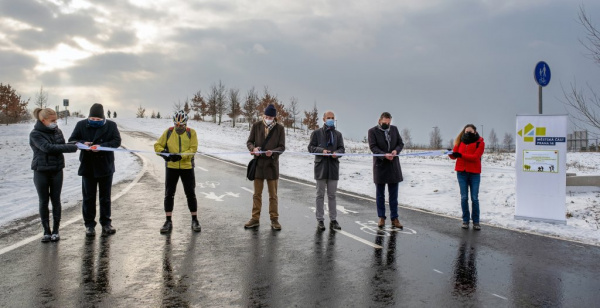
[432,262]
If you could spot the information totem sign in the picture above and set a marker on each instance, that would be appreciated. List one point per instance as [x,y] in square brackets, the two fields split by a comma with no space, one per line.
[541,175]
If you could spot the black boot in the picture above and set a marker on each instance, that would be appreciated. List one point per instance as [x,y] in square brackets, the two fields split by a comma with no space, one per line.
[55,227]
[46,226]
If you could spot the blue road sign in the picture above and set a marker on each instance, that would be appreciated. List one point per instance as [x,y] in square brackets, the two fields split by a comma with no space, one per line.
[542,73]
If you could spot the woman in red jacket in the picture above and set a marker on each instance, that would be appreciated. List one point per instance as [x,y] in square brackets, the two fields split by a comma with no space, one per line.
[468,149]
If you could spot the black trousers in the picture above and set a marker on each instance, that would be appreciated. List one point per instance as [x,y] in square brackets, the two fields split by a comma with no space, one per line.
[189,187]
[90,186]
[49,185]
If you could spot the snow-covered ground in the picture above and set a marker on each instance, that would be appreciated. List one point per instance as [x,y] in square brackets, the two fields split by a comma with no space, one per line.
[19,198]
[429,182]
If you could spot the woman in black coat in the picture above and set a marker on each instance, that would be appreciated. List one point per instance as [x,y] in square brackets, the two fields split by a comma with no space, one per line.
[384,139]
[48,145]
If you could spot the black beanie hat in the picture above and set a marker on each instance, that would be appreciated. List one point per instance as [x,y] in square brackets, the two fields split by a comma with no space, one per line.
[271,111]
[97,111]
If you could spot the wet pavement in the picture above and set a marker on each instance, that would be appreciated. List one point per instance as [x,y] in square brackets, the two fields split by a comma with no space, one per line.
[432,262]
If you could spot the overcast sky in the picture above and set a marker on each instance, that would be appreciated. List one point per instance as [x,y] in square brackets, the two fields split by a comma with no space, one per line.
[429,63]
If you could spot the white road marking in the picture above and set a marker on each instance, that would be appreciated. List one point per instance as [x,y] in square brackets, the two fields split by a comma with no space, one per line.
[362,240]
[502,297]
[439,272]
[74,220]
[202,169]
[248,190]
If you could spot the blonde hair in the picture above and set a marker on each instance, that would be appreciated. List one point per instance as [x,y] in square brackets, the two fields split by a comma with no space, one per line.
[462,132]
[45,113]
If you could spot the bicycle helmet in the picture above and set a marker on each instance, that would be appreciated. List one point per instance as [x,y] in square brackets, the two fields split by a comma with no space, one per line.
[180,117]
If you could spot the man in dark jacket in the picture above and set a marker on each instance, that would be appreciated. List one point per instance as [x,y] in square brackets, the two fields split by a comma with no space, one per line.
[268,164]
[97,167]
[326,142]
[385,140]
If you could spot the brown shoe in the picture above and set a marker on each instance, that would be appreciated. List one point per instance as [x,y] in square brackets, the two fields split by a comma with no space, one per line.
[381,223]
[251,224]
[396,224]
[275,225]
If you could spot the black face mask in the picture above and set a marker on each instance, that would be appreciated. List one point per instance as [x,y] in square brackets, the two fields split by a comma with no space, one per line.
[385,126]
[180,130]
[470,137]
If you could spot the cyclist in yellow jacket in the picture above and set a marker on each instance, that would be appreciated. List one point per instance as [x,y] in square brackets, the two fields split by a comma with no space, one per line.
[178,145]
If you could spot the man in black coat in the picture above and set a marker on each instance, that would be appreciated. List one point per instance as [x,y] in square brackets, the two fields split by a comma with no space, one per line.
[385,140]
[326,142]
[97,167]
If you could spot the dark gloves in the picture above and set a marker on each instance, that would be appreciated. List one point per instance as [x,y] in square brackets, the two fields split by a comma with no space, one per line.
[165,157]
[456,154]
[175,157]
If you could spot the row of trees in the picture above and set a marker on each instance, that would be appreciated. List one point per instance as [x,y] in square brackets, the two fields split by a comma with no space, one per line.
[220,101]
[435,140]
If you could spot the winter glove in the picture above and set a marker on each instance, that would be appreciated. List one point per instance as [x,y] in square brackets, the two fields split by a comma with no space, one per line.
[175,157]
[456,154]
[165,157]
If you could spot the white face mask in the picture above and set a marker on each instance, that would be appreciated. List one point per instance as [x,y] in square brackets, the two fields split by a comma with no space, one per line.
[268,121]
[52,125]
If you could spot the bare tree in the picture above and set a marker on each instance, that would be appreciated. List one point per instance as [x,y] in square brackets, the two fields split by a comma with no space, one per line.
[212,103]
[493,140]
[250,106]
[220,101]
[435,138]
[177,106]
[41,99]
[508,141]
[294,111]
[406,138]
[235,109]
[451,144]
[584,104]
[141,112]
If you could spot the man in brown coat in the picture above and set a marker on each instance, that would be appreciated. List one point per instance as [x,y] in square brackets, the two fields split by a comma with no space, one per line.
[268,164]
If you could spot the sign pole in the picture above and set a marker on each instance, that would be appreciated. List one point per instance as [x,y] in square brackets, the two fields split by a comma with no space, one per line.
[540,99]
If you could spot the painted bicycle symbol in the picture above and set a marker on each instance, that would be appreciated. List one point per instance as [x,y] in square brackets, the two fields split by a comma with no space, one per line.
[370,227]
[209,184]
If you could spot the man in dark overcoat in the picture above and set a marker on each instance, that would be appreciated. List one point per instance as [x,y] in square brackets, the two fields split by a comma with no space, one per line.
[97,167]
[384,140]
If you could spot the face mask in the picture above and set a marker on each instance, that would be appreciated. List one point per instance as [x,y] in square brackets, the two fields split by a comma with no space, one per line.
[330,122]
[180,130]
[268,121]
[52,125]
[96,123]
[469,135]
[385,126]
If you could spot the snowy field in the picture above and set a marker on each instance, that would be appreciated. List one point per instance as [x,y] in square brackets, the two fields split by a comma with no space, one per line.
[429,182]
[19,198]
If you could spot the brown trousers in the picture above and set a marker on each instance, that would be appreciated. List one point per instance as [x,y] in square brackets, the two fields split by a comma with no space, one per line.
[257,198]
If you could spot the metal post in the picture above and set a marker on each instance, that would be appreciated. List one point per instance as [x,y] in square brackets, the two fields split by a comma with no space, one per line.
[540,99]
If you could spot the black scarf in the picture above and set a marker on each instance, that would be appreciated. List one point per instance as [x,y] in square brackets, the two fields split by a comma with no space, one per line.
[329,134]
[469,138]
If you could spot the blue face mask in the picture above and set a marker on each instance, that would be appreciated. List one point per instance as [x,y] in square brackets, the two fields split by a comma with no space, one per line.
[96,123]
[330,122]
